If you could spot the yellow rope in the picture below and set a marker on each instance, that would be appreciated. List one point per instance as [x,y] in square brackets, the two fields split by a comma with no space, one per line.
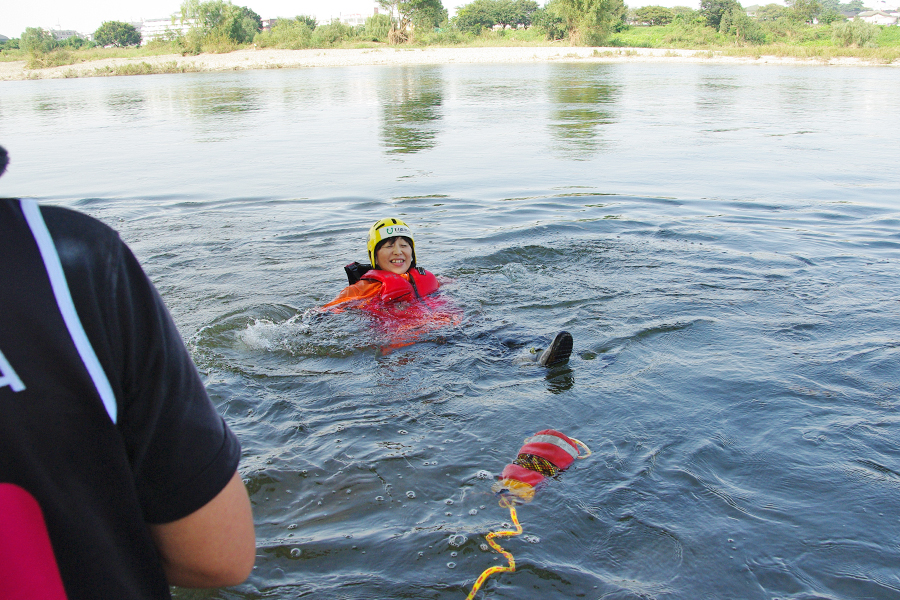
[583,445]
[490,537]
[490,540]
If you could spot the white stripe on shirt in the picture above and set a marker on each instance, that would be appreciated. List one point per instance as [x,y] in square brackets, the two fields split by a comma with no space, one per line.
[54,268]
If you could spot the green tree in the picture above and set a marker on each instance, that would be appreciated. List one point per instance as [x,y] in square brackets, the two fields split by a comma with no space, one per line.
[832,11]
[36,41]
[654,15]
[683,11]
[855,33]
[426,13]
[525,10]
[804,11]
[11,44]
[118,34]
[714,10]
[549,21]
[332,34]
[79,42]
[310,21]
[514,13]
[220,19]
[505,13]
[378,27]
[407,14]
[291,34]
[735,23]
[589,22]
[770,12]
[475,16]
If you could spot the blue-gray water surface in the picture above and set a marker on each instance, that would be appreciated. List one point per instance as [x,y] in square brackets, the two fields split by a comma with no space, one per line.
[721,240]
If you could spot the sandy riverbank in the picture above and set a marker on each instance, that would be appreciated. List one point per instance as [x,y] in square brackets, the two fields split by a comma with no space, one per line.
[287,59]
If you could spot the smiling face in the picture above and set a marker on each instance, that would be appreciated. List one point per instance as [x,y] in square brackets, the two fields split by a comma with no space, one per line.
[394,255]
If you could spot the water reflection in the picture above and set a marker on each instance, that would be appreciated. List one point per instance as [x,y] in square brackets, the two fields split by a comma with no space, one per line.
[560,380]
[221,113]
[213,101]
[130,103]
[59,105]
[412,100]
[49,104]
[585,97]
[717,92]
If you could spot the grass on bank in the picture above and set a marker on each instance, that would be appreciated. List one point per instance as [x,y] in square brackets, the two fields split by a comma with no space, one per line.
[67,56]
[801,41]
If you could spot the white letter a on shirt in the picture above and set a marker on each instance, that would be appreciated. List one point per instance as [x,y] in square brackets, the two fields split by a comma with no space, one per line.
[8,376]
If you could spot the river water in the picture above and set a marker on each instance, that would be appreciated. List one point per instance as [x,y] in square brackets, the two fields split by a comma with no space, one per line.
[721,240]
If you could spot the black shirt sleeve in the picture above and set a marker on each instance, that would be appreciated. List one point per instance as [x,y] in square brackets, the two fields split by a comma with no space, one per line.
[181,452]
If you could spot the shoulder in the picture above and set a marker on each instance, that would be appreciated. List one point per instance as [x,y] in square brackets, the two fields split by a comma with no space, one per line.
[379,275]
[82,241]
[425,279]
[65,223]
[364,288]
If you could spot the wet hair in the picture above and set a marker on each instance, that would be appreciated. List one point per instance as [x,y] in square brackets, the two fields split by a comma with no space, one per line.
[4,159]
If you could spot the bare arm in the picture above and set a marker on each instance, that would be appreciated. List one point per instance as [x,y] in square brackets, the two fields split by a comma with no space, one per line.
[215,546]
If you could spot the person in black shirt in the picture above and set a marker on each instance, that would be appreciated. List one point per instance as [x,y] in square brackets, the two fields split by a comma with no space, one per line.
[105,425]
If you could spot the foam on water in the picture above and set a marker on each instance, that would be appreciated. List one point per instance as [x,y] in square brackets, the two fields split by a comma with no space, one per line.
[263,334]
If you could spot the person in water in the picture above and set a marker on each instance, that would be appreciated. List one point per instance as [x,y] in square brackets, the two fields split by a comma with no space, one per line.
[392,276]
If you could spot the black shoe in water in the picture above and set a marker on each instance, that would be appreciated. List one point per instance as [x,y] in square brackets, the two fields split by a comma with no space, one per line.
[559,351]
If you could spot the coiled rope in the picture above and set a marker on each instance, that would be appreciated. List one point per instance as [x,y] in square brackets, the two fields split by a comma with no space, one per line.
[511,568]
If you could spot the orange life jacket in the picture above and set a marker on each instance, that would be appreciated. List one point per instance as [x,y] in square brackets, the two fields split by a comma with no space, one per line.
[384,287]
[395,288]
[402,305]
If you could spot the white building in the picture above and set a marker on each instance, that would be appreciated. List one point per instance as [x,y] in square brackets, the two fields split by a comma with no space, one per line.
[879,17]
[354,19]
[153,29]
[64,34]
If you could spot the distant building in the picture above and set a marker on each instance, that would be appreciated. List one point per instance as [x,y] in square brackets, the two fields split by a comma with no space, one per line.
[880,17]
[353,20]
[64,34]
[155,29]
[268,24]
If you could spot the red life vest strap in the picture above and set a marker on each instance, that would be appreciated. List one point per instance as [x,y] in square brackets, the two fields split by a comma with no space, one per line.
[395,287]
[28,566]
[426,282]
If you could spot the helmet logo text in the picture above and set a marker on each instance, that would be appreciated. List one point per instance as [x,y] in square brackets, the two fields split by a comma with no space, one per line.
[395,231]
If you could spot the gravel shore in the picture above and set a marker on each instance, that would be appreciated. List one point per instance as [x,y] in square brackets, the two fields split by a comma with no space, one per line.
[289,59]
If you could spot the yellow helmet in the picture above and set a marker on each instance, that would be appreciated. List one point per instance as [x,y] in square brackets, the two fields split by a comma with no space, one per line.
[388,228]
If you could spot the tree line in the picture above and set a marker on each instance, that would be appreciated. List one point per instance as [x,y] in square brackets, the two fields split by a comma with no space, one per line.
[217,25]
[799,20]
[221,26]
